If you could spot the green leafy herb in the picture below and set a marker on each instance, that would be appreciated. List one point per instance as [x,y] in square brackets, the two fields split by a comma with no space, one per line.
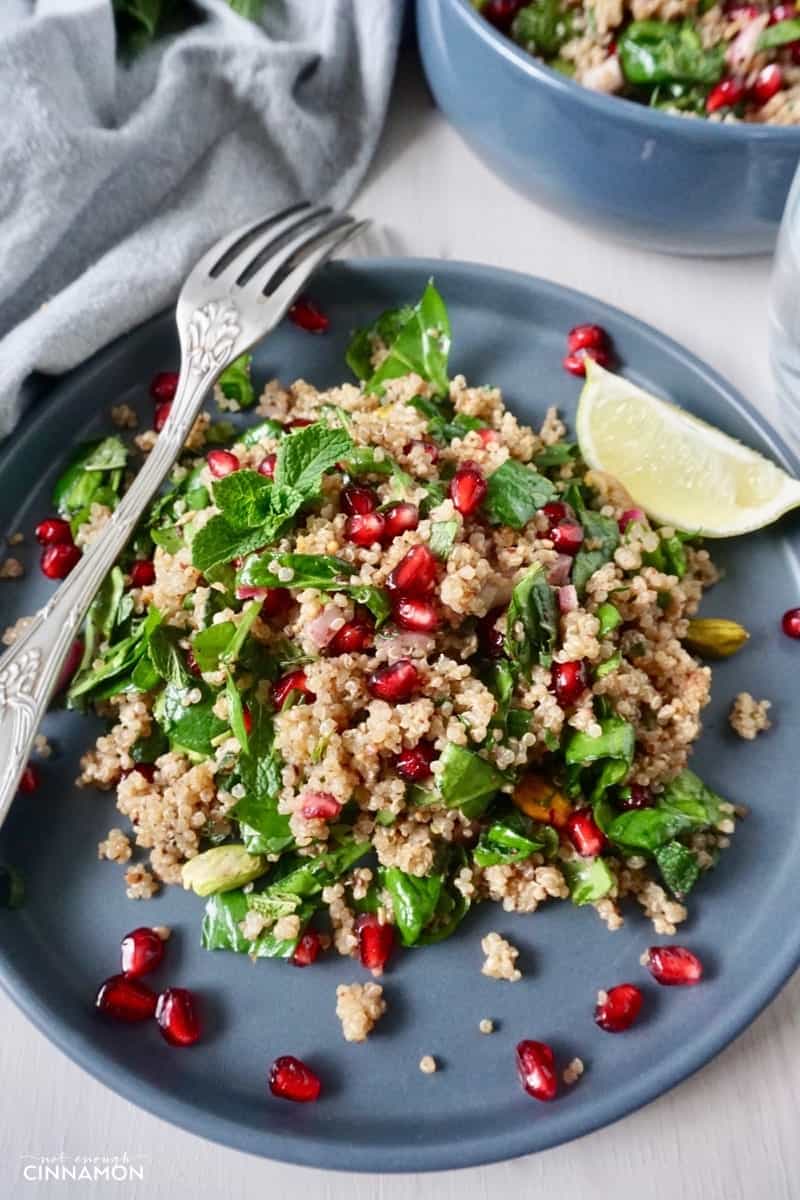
[268,428]
[442,539]
[678,867]
[609,666]
[418,340]
[542,28]
[602,533]
[556,455]
[609,617]
[235,383]
[307,877]
[669,556]
[588,879]
[236,711]
[444,423]
[532,621]
[595,764]
[305,456]
[93,476]
[263,829]
[512,837]
[166,656]
[685,806]
[221,929]
[668,52]
[191,727]
[467,781]
[782,33]
[414,901]
[515,493]
[113,671]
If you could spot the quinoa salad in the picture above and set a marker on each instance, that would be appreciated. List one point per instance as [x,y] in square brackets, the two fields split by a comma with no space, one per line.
[728,62]
[384,654]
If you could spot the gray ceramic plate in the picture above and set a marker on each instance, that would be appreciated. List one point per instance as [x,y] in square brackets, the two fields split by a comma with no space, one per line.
[379,1112]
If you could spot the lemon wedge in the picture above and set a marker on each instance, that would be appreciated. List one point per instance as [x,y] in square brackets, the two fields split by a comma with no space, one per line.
[680,470]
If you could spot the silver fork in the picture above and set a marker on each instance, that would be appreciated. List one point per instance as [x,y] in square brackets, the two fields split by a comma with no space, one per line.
[237,293]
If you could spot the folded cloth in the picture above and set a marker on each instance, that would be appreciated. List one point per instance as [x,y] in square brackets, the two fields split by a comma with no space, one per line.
[117,174]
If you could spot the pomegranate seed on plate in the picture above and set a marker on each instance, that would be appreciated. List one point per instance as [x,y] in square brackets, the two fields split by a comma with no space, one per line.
[467,489]
[639,798]
[307,949]
[161,415]
[354,637]
[306,314]
[146,770]
[584,834]
[618,1008]
[555,511]
[501,13]
[768,83]
[29,779]
[364,529]
[790,622]
[70,665]
[415,614]
[291,1079]
[576,363]
[276,601]
[163,386]
[125,999]
[415,574]
[267,466]
[143,573]
[430,448]
[536,1069]
[492,640]
[177,1016]
[414,765]
[58,560]
[359,500]
[375,942]
[569,680]
[488,436]
[567,537]
[674,966]
[319,806]
[295,681]
[222,463]
[587,337]
[53,531]
[142,950]
[631,514]
[396,683]
[725,94]
[400,518]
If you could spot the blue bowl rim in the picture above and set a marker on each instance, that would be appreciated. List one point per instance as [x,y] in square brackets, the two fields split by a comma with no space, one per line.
[611,106]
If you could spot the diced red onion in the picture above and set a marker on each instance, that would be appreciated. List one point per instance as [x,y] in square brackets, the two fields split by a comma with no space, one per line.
[560,570]
[567,598]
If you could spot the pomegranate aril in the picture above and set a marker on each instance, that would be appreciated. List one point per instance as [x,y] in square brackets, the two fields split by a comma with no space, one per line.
[567,537]
[400,518]
[790,622]
[276,601]
[163,386]
[584,834]
[125,999]
[537,1070]
[364,529]
[768,83]
[587,337]
[492,639]
[555,511]
[488,436]
[142,950]
[319,806]
[631,514]
[414,765]
[415,574]
[222,463]
[395,683]
[356,499]
[639,797]
[430,448]
[354,637]
[307,949]
[501,13]
[53,531]
[143,573]
[57,561]
[725,94]
[247,720]
[267,466]
[295,681]
[618,1008]
[569,680]
[291,1079]
[467,489]
[161,415]
[29,779]
[576,363]
[177,1016]
[415,614]
[306,314]
[375,942]
[298,423]
[674,966]
[146,770]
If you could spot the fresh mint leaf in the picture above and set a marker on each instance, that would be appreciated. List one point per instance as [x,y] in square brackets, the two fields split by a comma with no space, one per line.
[603,534]
[235,383]
[166,657]
[308,571]
[678,867]
[532,621]
[236,712]
[515,493]
[244,498]
[557,455]
[442,539]
[305,456]
[467,781]
[192,727]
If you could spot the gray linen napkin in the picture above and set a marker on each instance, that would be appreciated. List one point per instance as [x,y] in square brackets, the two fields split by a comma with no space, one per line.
[114,177]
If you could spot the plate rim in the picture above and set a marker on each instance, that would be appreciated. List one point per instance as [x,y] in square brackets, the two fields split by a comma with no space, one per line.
[308,1150]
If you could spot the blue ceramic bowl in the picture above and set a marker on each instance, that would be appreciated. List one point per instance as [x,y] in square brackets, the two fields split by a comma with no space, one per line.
[669,183]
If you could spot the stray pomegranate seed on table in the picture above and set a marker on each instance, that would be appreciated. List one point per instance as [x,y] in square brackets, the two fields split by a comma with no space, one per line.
[618,1008]
[673,966]
[291,1079]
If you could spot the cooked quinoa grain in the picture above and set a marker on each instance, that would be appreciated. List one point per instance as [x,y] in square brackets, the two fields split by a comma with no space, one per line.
[748,716]
[486,1025]
[501,958]
[573,1071]
[427,1064]
[359,1006]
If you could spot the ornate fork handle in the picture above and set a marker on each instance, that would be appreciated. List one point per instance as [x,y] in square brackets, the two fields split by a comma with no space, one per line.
[30,669]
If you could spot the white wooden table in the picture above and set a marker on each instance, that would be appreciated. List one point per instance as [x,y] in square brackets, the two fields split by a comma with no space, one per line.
[731,1132]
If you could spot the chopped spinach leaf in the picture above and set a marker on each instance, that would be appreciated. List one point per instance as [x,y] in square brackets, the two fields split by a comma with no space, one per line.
[588,879]
[467,781]
[678,867]
[419,341]
[235,383]
[532,621]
